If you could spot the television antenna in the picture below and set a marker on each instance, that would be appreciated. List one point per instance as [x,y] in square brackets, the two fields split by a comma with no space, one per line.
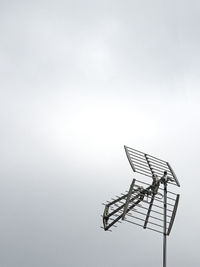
[149,205]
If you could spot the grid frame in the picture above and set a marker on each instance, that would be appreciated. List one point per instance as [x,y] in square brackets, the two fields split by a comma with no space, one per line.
[150,166]
[137,211]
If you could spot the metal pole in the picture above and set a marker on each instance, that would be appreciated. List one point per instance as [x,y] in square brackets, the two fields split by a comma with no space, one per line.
[165,226]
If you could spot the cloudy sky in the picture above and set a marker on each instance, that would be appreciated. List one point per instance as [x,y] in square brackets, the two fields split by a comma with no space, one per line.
[80,79]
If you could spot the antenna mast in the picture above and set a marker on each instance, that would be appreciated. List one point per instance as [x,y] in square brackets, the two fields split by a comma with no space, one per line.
[149,205]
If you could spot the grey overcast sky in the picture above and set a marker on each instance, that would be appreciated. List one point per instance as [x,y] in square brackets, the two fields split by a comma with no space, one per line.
[78,80]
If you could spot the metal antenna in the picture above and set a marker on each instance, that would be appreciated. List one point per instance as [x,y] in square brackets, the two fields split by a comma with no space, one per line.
[149,205]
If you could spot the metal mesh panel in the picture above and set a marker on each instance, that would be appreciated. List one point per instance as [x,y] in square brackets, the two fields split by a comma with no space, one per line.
[148,165]
[141,211]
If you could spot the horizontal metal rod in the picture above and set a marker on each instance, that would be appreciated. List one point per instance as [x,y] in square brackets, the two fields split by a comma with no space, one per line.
[162,171]
[154,230]
[172,183]
[136,203]
[135,217]
[122,206]
[154,205]
[135,154]
[142,226]
[141,167]
[156,164]
[116,200]
[161,201]
[133,223]
[139,162]
[135,151]
[142,153]
[119,197]
[121,202]
[156,159]
[146,168]
[150,216]
[119,209]
[147,172]
[152,160]
[155,211]
[135,210]
[111,208]
[114,211]
[124,196]
[143,173]
[141,158]
[120,216]
[171,198]
[135,158]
